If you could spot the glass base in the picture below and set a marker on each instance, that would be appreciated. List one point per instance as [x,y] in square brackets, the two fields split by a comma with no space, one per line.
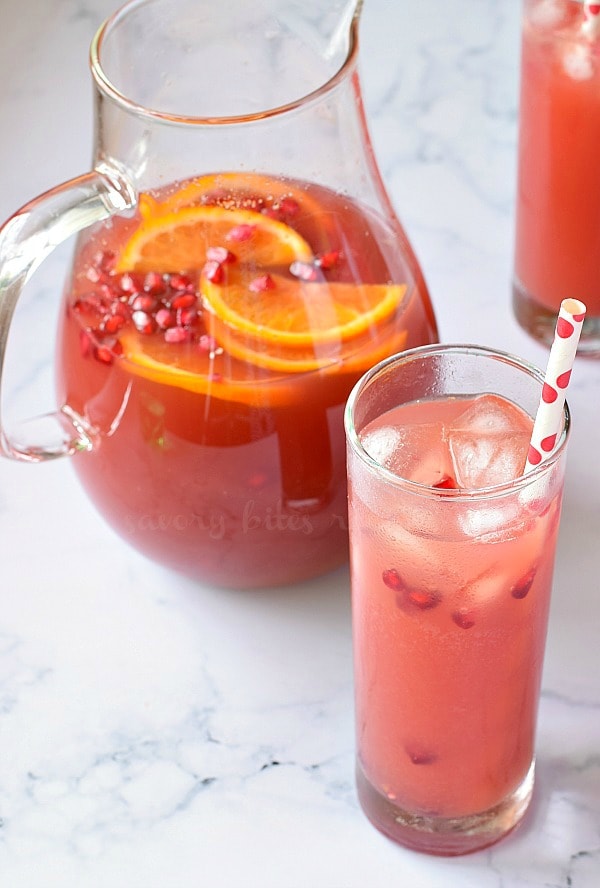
[447,837]
[540,322]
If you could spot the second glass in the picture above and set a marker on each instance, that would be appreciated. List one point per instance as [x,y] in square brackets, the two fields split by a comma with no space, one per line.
[557,250]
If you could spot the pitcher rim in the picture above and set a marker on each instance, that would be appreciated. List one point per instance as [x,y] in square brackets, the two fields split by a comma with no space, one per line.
[108,88]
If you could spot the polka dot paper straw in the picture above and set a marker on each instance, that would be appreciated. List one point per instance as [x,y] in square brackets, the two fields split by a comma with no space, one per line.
[548,420]
[591,25]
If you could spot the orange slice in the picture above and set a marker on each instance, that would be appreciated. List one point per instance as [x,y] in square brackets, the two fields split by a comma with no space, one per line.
[180,367]
[293,326]
[292,313]
[177,241]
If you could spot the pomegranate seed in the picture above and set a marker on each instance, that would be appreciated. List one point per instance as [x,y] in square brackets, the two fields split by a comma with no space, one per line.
[112,323]
[207,343]
[306,271]
[122,309]
[143,322]
[180,281]
[423,599]
[105,260]
[463,619]
[240,233]
[144,302]
[521,587]
[393,580]
[95,275]
[186,316]
[221,255]
[106,352]
[446,482]
[271,212]
[130,283]
[178,334]
[261,284]
[421,756]
[154,283]
[186,300]
[165,318]
[91,302]
[289,206]
[329,260]
[213,271]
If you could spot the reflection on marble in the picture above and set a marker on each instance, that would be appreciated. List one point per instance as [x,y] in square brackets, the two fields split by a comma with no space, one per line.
[155,733]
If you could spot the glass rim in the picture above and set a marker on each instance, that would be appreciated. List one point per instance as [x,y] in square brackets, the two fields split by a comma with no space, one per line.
[110,90]
[460,494]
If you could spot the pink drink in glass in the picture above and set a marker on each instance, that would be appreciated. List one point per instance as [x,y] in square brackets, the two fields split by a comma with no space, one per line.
[451,587]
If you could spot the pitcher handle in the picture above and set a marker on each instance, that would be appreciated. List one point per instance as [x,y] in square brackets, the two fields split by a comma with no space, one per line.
[26,239]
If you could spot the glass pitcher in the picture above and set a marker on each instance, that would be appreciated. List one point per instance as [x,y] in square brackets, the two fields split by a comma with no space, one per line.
[238,266]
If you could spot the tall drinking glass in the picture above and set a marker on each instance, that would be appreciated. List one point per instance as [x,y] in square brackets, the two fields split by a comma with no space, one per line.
[557,246]
[452,552]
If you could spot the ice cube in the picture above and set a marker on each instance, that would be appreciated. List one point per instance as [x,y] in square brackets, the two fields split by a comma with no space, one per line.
[418,452]
[488,443]
[381,443]
[577,61]
[548,14]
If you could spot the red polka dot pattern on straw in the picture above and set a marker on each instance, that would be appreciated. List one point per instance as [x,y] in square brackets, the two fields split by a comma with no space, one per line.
[549,418]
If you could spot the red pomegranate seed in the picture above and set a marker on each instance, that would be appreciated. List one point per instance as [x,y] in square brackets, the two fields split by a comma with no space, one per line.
[420,756]
[144,302]
[165,318]
[130,283]
[180,281]
[90,302]
[106,352]
[186,300]
[271,212]
[521,587]
[221,255]
[423,598]
[213,271]
[261,284]
[144,322]
[446,482]
[154,283]
[177,335]
[393,580]
[105,260]
[305,271]
[289,206]
[112,323]
[186,316]
[329,260]
[122,309]
[95,275]
[240,233]
[207,343]
[463,619]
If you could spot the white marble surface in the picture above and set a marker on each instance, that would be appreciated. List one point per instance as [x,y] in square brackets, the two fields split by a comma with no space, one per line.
[153,733]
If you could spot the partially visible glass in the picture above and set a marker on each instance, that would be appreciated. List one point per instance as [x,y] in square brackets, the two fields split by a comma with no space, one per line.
[557,250]
[450,596]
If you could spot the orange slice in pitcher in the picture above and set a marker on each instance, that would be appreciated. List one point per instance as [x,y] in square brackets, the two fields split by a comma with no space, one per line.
[290,325]
[178,241]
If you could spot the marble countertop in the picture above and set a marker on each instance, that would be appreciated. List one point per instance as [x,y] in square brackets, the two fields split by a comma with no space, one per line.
[155,733]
